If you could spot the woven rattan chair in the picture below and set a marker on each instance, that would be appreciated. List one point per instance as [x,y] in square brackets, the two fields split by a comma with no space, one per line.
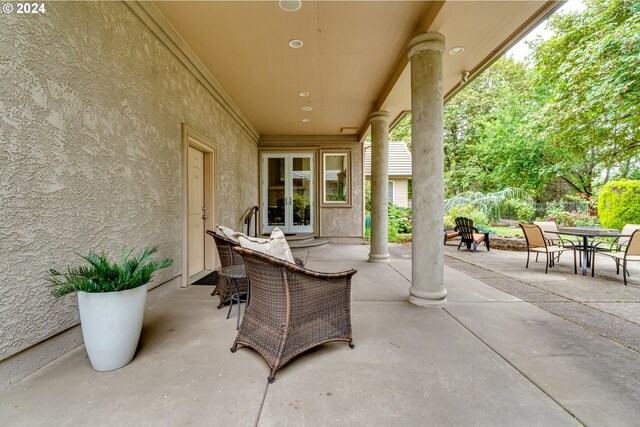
[227,258]
[631,252]
[292,309]
[536,242]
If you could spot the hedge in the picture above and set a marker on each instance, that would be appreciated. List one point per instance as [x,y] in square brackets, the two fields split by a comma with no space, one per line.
[619,203]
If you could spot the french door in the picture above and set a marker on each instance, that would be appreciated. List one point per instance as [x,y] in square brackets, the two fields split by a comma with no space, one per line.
[287,192]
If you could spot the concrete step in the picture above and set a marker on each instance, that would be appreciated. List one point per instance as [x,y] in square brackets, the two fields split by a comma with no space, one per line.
[302,240]
[299,237]
[307,243]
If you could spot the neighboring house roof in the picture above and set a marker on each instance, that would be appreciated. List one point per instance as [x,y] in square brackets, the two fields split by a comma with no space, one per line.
[399,159]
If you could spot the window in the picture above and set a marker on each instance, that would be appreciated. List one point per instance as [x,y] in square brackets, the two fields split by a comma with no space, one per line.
[390,194]
[336,178]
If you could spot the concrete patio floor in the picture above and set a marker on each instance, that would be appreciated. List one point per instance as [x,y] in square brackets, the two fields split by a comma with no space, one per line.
[511,347]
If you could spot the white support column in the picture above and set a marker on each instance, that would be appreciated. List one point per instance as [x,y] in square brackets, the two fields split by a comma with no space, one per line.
[379,251]
[427,275]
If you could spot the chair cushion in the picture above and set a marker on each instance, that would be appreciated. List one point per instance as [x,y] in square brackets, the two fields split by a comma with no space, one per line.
[228,233]
[276,245]
[477,238]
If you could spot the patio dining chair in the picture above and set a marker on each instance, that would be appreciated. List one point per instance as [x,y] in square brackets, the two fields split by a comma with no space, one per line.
[536,242]
[617,245]
[550,232]
[631,252]
[293,309]
[470,235]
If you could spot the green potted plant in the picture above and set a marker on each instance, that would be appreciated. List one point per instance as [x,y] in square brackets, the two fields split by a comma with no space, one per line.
[111,300]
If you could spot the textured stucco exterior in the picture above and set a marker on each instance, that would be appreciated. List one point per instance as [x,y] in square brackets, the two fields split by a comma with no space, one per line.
[91,107]
[338,222]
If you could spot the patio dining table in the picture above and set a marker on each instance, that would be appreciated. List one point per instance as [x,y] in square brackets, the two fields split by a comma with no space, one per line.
[586,234]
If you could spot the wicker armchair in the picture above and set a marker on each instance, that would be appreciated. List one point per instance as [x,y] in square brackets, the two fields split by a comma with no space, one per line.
[227,258]
[292,309]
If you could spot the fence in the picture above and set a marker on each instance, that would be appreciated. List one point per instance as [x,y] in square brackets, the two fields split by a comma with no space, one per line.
[541,210]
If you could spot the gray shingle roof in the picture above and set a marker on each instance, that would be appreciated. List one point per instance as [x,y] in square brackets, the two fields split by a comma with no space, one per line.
[399,159]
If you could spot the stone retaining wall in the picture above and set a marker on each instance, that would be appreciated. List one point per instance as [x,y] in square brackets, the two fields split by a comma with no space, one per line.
[517,244]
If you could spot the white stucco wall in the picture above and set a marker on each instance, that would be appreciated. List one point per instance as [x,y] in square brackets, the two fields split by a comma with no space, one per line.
[91,106]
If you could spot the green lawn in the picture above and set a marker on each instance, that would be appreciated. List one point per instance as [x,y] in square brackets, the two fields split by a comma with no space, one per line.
[507,231]
[500,231]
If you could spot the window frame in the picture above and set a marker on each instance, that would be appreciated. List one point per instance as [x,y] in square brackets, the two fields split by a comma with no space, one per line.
[347,162]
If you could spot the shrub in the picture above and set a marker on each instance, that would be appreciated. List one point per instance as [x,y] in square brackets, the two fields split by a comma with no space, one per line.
[399,221]
[524,210]
[488,203]
[572,219]
[619,203]
[467,211]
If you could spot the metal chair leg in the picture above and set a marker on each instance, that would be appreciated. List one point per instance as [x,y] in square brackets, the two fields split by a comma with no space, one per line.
[546,267]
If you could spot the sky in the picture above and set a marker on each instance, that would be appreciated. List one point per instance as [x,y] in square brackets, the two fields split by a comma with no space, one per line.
[521,50]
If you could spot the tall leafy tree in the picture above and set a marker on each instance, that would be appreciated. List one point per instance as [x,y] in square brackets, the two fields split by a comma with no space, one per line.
[572,116]
[484,150]
[402,130]
[590,123]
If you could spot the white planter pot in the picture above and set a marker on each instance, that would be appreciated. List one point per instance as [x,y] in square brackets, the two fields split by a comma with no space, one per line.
[111,325]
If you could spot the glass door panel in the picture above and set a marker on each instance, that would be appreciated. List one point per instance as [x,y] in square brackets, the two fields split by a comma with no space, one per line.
[276,196]
[302,184]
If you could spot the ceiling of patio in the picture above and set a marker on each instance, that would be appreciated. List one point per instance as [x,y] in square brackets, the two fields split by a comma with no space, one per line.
[353,60]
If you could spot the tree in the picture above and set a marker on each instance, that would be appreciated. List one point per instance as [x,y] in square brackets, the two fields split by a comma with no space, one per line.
[484,149]
[590,123]
[402,131]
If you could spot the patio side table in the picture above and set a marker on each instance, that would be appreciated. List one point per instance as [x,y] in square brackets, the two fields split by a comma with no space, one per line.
[233,274]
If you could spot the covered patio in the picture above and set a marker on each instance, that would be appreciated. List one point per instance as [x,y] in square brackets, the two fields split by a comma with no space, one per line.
[487,358]
[135,124]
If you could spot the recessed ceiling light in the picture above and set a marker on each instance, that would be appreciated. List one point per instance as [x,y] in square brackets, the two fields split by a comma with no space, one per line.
[295,43]
[307,108]
[456,50]
[290,5]
[303,94]
[306,120]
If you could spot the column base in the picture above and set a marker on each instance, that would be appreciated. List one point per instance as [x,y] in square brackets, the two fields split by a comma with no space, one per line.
[379,258]
[428,299]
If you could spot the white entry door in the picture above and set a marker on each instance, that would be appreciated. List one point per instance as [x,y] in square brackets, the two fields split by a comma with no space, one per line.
[196,202]
[287,192]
